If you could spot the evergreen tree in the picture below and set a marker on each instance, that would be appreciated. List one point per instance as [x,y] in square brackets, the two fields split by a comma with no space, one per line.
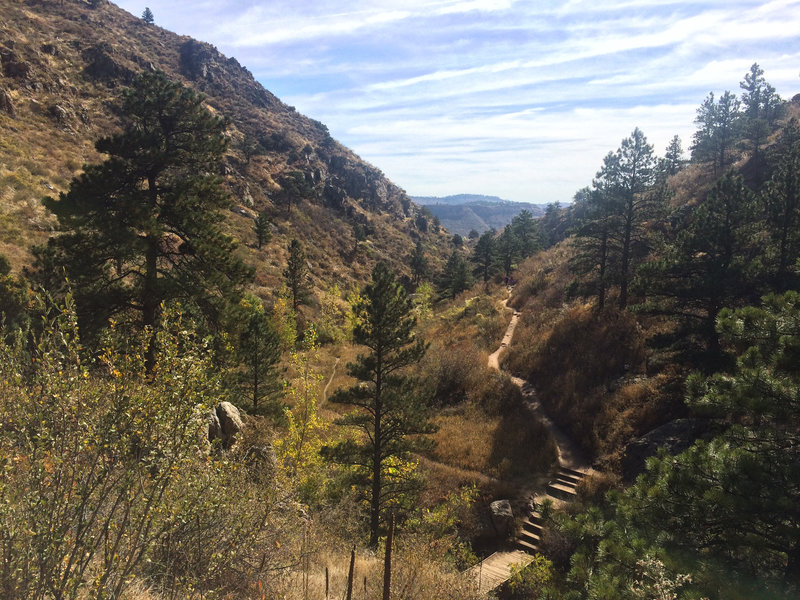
[736,499]
[483,256]
[761,106]
[781,198]
[296,274]
[419,263]
[552,227]
[526,232]
[627,180]
[709,266]
[390,412]
[143,227]
[147,16]
[259,351]
[718,128]
[507,247]
[673,157]
[596,248]
[294,188]
[262,229]
[455,278]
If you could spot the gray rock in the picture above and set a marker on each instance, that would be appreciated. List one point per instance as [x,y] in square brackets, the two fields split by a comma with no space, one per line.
[502,517]
[230,421]
[6,105]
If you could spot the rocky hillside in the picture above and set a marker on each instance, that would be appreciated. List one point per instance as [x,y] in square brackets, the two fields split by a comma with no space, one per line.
[64,65]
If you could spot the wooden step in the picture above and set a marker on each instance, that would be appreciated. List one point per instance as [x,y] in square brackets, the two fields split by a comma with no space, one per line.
[573,472]
[532,527]
[565,482]
[526,546]
[566,476]
[563,492]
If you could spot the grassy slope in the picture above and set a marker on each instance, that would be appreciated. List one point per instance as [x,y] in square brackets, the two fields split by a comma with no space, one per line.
[64,67]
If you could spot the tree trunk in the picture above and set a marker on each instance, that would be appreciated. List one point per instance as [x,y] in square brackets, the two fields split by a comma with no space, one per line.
[150,296]
[375,503]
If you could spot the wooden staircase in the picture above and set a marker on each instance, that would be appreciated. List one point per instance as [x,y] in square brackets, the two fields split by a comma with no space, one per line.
[561,487]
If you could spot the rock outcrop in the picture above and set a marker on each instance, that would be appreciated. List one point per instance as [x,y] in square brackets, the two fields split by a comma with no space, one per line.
[230,423]
[502,517]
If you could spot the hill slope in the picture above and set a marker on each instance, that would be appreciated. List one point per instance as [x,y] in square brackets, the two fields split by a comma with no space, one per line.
[64,66]
[464,212]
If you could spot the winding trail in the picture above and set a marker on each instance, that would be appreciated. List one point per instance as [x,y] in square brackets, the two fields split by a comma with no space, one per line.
[569,455]
[330,381]
[573,465]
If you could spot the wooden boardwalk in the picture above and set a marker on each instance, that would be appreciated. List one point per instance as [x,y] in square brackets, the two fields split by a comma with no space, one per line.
[495,570]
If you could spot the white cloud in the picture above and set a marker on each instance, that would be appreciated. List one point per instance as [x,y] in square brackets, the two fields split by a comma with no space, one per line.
[516,98]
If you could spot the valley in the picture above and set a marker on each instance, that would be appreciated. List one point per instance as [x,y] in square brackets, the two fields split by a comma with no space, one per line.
[237,361]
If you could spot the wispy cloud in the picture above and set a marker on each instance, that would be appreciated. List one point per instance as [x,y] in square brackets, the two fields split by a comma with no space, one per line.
[509,97]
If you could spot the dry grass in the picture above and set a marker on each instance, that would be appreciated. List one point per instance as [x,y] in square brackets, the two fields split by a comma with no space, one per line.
[500,446]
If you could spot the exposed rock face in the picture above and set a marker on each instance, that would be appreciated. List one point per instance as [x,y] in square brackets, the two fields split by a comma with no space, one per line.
[13,65]
[502,517]
[6,105]
[675,437]
[101,64]
[214,427]
[230,422]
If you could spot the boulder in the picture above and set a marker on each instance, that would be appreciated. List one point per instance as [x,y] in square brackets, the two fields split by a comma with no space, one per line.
[502,517]
[214,427]
[230,422]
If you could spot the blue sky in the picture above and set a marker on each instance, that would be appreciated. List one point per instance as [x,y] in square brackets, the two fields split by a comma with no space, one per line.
[519,99]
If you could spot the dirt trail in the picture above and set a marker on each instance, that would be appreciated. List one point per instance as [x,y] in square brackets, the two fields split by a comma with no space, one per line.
[330,381]
[496,569]
[569,455]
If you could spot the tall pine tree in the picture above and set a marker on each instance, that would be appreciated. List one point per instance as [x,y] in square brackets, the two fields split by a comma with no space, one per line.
[389,411]
[710,265]
[144,227]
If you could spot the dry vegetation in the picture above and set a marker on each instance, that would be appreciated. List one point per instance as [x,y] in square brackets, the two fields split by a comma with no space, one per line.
[590,370]
[70,64]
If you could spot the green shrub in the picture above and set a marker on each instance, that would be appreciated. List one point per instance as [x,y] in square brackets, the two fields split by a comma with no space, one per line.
[106,472]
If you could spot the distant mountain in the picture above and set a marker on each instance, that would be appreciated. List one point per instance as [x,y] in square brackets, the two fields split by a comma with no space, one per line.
[463,212]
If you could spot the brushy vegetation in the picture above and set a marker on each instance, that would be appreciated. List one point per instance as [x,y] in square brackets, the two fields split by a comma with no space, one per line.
[108,475]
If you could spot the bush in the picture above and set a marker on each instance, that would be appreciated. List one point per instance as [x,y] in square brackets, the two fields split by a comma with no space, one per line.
[106,472]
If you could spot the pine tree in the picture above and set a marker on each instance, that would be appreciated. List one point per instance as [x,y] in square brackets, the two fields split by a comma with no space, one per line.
[262,229]
[781,199]
[483,256]
[389,411]
[144,227]
[718,128]
[259,351]
[761,106]
[673,157]
[526,232]
[419,263]
[628,180]
[296,274]
[736,499]
[709,266]
[147,16]
[508,251]
[455,277]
